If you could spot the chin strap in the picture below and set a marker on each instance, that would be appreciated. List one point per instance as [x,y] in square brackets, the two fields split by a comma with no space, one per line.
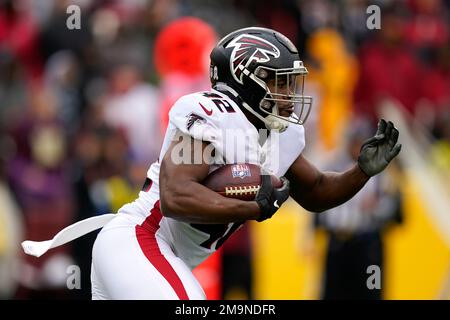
[274,123]
[271,122]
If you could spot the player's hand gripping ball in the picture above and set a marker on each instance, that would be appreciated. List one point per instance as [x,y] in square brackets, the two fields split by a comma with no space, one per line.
[247,182]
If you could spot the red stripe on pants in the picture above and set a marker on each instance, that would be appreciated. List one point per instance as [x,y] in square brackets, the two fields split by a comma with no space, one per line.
[146,236]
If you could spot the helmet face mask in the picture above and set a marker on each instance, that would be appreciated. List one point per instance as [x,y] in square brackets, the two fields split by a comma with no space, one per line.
[264,68]
[284,90]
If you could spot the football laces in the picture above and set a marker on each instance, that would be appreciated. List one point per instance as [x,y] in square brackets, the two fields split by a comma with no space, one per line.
[241,190]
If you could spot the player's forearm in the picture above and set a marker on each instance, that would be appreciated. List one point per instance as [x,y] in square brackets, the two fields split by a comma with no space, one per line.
[194,203]
[332,189]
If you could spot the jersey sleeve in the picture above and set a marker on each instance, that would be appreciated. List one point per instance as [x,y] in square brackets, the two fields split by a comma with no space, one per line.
[193,115]
[283,149]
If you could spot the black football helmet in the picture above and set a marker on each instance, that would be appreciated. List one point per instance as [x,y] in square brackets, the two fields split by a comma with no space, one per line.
[244,62]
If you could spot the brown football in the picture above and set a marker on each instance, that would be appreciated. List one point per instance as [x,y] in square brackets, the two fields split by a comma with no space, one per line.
[238,181]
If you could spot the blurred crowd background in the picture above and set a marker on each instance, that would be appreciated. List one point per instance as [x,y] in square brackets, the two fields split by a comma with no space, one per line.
[83,113]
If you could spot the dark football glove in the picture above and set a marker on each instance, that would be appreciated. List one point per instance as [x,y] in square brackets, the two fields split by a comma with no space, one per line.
[269,198]
[378,151]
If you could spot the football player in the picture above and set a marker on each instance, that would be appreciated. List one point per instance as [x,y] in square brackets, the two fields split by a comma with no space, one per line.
[148,250]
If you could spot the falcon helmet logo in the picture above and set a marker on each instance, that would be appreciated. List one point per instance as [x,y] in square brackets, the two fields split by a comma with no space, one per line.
[248,48]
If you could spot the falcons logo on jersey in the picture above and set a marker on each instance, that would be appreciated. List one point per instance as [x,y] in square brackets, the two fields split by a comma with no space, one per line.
[192,118]
[248,48]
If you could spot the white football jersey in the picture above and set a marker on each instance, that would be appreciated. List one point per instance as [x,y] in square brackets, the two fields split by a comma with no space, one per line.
[214,117]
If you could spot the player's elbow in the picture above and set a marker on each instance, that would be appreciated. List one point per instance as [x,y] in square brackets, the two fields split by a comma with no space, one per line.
[317,210]
[172,200]
[168,204]
[314,208]
[311,205]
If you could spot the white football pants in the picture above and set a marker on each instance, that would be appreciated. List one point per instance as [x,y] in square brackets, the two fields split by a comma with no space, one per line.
[130,262]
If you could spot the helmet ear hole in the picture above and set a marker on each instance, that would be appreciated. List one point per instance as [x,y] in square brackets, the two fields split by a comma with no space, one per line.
[264,74]
[267,105]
